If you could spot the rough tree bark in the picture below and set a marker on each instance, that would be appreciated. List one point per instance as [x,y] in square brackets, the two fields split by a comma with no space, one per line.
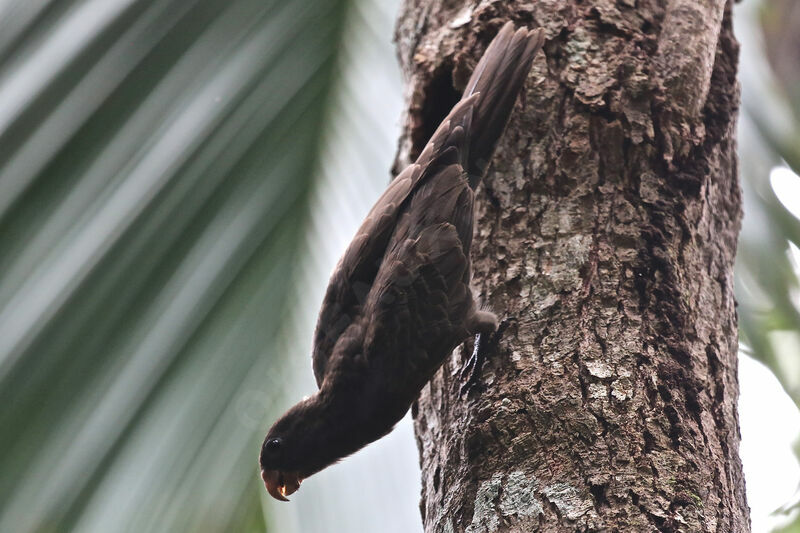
[607,228]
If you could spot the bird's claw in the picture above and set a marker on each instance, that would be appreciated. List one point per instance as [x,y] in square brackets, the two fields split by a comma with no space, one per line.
[474,364]
[471,369]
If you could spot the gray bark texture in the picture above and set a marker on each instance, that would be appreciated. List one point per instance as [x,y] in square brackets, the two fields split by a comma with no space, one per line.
[607,230]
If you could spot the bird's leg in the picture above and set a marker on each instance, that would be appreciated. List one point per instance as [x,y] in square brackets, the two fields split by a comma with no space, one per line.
[470,372]
[481,323]
[485,342]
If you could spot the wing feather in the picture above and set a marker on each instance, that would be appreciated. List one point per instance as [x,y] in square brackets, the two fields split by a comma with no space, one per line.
[440,195]
[417,308]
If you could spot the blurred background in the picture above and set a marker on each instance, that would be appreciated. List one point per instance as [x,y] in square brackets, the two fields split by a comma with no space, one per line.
[178,179]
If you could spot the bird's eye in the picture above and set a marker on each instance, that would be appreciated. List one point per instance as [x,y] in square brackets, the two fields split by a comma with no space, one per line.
[273,445]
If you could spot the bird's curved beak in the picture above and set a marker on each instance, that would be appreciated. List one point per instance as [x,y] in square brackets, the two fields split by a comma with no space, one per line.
[281,484]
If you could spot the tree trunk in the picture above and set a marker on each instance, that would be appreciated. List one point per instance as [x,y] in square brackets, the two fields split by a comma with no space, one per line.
[607,229]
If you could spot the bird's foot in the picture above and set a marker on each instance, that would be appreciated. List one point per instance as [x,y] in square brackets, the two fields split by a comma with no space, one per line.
[485,343]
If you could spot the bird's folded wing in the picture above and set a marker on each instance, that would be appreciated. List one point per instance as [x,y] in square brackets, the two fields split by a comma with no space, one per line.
[355,274]
[416,306]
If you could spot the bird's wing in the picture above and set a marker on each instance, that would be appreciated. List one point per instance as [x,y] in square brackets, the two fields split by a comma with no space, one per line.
[416,308]
[355,274]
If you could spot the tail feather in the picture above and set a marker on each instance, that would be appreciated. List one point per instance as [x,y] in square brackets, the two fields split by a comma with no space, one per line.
[498,78]
[477,121]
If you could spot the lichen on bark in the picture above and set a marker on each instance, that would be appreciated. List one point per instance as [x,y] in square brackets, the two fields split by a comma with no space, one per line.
[606,229]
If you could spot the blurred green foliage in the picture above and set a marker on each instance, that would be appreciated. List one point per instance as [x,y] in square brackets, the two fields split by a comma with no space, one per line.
[156,158]
[768,288]
[767,274]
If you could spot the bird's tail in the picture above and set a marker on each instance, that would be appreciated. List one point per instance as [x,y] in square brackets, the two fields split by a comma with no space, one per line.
[472,128]
[498,78]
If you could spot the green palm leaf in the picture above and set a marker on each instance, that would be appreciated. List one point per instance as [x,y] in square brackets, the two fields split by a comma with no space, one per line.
[156,159]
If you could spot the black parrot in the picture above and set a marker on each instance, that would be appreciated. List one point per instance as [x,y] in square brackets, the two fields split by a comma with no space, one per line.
[399,301]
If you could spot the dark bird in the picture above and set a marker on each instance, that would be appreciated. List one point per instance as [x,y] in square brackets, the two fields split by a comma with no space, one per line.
[399,301]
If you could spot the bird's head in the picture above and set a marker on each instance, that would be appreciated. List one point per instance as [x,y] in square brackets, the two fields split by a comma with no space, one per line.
[279,459]
[315,433]
[279,482]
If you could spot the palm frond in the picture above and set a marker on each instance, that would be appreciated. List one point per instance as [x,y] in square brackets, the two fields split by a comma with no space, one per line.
[156,159]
